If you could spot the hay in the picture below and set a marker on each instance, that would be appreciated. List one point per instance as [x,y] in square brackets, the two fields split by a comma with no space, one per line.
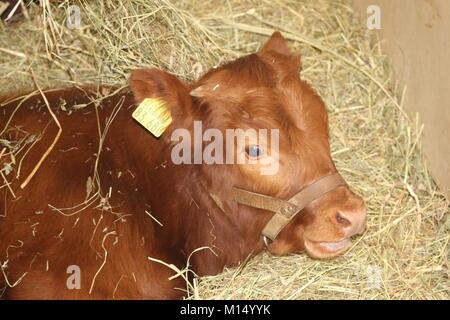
[403,254]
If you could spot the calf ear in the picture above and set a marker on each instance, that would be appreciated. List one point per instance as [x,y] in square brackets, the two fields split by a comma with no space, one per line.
[276,43]
[154,83]
[277,52]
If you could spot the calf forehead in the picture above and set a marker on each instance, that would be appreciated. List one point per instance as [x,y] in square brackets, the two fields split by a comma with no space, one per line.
[254,87]
[248,84]
[248,71]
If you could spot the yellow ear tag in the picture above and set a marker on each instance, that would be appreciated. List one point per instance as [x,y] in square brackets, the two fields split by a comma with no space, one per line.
[153,115]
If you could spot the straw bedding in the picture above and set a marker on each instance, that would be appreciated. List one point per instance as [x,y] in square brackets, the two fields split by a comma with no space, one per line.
[375,144]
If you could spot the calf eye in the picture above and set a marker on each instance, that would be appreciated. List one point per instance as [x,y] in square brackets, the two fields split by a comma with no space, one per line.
[254,151]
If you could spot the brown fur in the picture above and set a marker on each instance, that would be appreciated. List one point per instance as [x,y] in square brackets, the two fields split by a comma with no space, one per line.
[136,175]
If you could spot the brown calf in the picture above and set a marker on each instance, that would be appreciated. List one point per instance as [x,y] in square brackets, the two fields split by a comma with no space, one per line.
[109,194]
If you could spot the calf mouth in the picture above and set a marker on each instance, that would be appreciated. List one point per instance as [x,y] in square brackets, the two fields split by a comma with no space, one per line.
[327,249]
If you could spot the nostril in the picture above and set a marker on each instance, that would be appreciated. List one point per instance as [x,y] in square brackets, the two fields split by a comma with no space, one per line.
[342,220]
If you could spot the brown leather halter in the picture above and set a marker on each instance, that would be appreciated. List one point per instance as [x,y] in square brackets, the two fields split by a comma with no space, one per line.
[284,210]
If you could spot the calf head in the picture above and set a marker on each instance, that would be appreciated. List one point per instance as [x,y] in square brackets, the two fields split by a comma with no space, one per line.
[262,91]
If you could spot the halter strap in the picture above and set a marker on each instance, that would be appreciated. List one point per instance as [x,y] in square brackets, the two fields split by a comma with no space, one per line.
[284,210]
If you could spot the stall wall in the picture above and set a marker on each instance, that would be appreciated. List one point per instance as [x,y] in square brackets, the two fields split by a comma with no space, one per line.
[416,36]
